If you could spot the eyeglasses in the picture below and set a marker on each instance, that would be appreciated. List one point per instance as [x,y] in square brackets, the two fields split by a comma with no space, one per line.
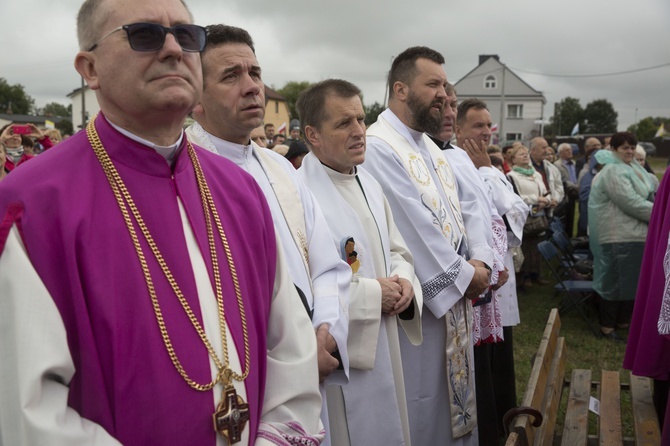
[151,36]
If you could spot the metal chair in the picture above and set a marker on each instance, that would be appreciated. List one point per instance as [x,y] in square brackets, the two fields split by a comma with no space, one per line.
[577,293]
[577,262]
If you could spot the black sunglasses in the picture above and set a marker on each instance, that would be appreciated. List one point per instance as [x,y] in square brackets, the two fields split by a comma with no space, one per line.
[151,36]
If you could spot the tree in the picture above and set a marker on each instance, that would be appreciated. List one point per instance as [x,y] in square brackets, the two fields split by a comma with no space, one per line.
[14,97]
[645,129]
[290,91]
[567,113]
[56,109]
[65,127]
[600,117]
[371,112]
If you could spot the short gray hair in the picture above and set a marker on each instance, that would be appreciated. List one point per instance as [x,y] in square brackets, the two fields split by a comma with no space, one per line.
[564,146]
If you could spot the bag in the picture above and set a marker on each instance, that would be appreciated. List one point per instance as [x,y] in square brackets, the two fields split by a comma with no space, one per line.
[535,225]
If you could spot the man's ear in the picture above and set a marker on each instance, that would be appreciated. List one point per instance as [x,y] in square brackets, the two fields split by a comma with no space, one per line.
[312,136]
[400,90]
[84,63]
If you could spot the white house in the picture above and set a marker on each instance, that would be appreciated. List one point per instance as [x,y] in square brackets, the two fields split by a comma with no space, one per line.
[517,109]
[83,99]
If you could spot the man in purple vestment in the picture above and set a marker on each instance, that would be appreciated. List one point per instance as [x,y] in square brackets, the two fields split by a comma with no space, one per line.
[144,300]
[648,351]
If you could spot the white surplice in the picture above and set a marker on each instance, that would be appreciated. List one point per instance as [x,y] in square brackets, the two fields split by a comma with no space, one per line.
[515,211]
[326,283]
[444,277]
[485,230]
[371,409]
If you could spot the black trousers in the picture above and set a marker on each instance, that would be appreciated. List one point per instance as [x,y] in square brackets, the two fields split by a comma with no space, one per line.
[613,312]
[496,387]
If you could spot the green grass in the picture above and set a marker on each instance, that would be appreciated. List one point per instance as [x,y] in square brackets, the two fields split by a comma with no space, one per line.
[658,165]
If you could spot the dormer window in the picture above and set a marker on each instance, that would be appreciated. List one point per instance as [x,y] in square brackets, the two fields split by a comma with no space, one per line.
[490,82]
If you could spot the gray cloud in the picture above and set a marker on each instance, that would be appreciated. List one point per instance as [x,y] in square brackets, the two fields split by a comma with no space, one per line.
[299,40]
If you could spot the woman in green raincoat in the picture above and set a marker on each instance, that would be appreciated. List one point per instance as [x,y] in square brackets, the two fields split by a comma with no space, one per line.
[619,210]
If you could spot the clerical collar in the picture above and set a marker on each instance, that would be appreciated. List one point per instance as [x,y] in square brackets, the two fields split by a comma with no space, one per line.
[237,153]
[339,177]
[167,152]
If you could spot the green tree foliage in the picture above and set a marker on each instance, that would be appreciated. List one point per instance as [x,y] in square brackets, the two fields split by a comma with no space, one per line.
[371,112]
[16,98]
[65,127]
[56,109]
[645,129]
[567,113]
[290,91]
[600,117]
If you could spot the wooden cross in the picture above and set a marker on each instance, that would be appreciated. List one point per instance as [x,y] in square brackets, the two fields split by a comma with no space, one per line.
[231,415]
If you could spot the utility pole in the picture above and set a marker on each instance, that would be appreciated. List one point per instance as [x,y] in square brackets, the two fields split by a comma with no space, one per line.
[502,107]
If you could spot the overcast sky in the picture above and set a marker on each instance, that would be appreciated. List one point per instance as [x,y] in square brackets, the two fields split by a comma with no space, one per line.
[356,39]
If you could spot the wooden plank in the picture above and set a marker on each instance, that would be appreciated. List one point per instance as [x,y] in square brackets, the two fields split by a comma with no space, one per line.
[647,430]
[610,409]
[576,426]
[552,396]
[539,373]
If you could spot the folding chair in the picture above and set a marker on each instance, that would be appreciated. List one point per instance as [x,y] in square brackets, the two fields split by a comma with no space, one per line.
[577,293]
[577,246]
[577,262]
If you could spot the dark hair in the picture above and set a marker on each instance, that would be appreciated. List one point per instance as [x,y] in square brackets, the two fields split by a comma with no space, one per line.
[269,124]
[496,162]
[311,102]
[620,138]
[218,35]
[467,105]
[403,68]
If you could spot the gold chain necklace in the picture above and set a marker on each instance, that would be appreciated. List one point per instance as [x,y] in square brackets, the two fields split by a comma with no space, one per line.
[232,412]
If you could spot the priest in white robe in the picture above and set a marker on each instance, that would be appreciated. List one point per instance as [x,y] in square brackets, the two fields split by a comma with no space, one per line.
[384,293]
[145,299]
[421,189]
[227,114]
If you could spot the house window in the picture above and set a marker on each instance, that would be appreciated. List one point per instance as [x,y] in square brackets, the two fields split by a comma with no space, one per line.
[490,82]
[277,107]
[515,111]
[513,136]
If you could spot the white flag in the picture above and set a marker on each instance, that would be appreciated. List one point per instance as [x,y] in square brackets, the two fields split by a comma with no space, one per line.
[575,130]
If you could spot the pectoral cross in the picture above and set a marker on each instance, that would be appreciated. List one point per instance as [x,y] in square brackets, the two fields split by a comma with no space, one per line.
[231,415]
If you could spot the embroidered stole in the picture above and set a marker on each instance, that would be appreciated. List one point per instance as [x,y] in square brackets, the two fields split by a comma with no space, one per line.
[446,217]
[282,186]
[664,316]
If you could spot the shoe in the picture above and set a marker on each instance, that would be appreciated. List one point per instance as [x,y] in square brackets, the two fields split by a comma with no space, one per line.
[613,336]
[528,283]
[542,282]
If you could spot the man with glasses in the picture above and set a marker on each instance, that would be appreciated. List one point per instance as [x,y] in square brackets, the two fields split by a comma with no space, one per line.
[144,298]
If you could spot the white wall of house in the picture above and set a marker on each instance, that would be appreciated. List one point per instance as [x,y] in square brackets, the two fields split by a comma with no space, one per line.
[91,104]
[523,105]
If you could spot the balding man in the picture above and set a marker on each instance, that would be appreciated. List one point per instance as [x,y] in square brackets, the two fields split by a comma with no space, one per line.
[568,169]
[154,307]
[550,174]
[591,145]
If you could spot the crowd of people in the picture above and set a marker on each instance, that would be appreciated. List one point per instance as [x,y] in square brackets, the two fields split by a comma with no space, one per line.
[224,284]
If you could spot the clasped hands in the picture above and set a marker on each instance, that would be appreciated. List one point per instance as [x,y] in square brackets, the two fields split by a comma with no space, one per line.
[397,294]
